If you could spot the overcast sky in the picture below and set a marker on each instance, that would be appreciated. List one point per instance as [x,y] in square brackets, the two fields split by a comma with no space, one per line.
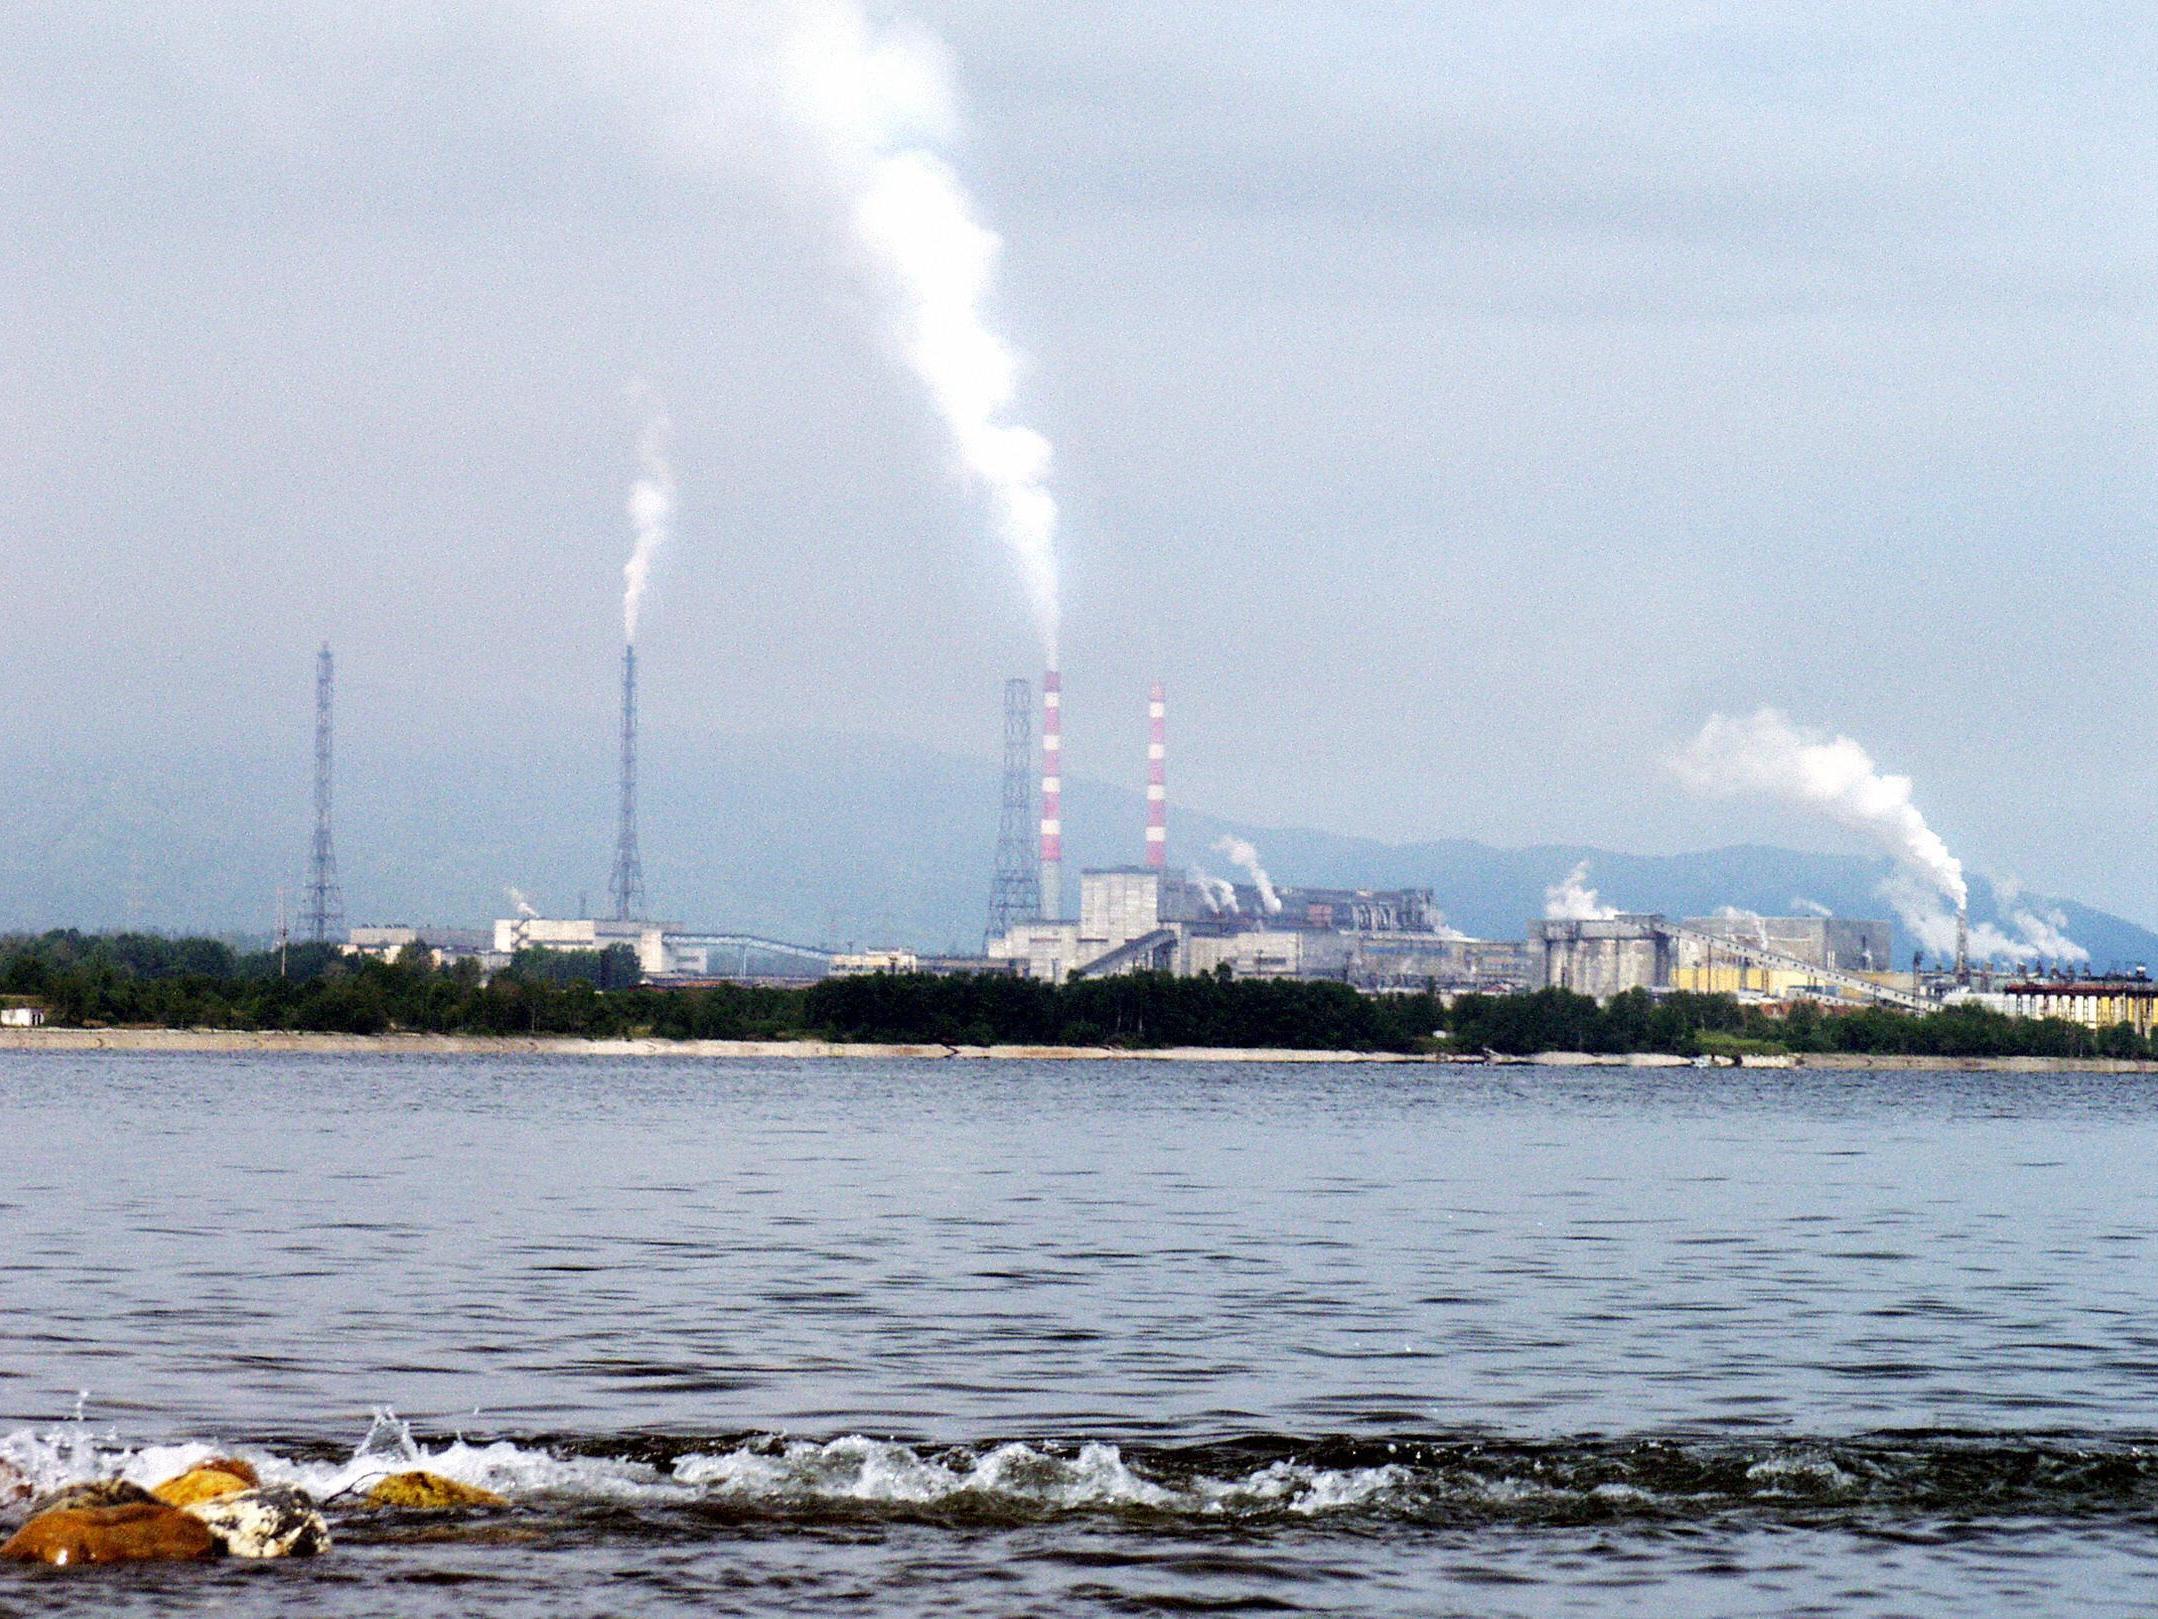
[1454,403]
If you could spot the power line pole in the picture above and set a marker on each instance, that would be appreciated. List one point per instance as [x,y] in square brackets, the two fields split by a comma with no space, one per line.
[322,919]
[1015,892]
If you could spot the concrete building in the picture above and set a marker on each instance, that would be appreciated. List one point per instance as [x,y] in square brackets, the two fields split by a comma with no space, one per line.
[22,1017]
[1601,956]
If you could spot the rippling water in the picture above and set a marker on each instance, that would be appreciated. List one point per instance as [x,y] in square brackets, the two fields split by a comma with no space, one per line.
[1112,1338]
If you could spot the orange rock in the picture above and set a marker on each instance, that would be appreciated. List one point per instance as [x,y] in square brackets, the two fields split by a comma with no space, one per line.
[422,1489]
[129,1534]
[103,1492]
[204,1483]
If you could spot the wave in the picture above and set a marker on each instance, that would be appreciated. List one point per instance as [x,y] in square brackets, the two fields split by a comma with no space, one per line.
[1354,1481]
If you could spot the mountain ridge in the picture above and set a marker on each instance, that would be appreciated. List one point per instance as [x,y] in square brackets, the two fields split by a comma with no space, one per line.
[824,837]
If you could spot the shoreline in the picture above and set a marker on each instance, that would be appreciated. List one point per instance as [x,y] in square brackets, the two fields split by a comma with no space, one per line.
[250,1042]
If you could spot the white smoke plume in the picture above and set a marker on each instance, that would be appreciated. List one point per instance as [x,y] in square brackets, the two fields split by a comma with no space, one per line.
[1570,899]
[1752,921]
[1810,907]
[881,104]
[1245,858]
[2043,927]
[517,898]
[1765,755]
[1217,895]
[651,514]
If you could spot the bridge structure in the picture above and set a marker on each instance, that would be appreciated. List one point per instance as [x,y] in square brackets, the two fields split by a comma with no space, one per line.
[747,945]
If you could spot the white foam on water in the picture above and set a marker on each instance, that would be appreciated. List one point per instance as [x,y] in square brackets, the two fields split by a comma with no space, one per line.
[1811,1475]
[1294,1487]
[770,1472]
[872,1470]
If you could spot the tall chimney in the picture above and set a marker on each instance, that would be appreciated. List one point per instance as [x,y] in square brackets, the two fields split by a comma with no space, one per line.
[1052,797]
[1963,944]
[1157,791]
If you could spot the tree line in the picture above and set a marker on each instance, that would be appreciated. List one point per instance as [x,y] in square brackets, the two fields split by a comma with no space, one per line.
[132,979]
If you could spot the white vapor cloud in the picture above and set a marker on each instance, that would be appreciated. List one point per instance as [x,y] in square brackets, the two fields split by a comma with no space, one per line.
[651,514]
[1570,899]
[882,105]
[1765,755]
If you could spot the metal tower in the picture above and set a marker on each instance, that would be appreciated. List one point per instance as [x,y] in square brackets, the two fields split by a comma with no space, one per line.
[1015,893]
[626,887]
[322,917]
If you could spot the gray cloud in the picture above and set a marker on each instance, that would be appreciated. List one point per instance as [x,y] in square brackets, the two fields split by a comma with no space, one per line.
[1422,375]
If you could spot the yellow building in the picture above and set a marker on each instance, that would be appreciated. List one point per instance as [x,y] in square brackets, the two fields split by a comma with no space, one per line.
[2097,1003]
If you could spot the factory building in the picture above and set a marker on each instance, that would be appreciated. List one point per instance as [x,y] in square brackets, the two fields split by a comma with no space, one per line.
[659,952]
[1774,957]
[2097,1003]
[1843,942]
[1601,956]
[1146,918]
[445,946]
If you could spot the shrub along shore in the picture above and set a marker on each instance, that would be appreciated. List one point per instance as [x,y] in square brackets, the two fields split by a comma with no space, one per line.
[120,981]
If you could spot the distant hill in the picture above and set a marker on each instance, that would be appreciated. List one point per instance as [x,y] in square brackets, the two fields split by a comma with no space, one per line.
[825,838]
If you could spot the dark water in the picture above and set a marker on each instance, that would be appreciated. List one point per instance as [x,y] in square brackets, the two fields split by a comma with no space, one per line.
[1101,1339]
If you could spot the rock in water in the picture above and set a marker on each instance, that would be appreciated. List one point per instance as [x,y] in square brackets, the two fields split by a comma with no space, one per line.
[137,1532]
[422,1489]
[14,1484]
[104,1492]
[225,1476]
[274,1521]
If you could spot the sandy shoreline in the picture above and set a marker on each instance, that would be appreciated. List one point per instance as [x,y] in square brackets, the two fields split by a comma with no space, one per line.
[237,1041]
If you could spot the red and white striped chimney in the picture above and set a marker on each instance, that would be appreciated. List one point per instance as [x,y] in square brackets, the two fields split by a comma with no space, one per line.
[1157,791]
[1052,796]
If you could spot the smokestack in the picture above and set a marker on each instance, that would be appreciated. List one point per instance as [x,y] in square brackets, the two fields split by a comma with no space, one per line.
[1052,797]
[1157,791]
[626,886]
[1963,944]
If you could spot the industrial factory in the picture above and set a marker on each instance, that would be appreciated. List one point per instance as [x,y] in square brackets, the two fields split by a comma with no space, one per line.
[1153,917]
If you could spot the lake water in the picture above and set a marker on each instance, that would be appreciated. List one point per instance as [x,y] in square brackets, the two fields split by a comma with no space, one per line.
[1115,1338]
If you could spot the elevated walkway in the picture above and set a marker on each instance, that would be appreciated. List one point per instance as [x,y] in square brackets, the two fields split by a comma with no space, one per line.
[1154,951]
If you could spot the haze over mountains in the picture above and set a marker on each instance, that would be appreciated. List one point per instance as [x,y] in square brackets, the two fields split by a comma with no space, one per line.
[832,839]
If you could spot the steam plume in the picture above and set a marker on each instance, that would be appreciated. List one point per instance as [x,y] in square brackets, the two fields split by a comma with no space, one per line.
[1246,858]
[1765,755]
[517,898]
[1218,895]
[1570,899]
[651,513]
[881,103]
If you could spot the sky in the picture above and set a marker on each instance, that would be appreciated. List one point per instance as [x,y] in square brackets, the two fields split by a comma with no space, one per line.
[1455,404]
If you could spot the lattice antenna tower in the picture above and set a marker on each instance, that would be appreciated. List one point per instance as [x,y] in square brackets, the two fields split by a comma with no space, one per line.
[322,917]
[625,888]
[1015,893]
